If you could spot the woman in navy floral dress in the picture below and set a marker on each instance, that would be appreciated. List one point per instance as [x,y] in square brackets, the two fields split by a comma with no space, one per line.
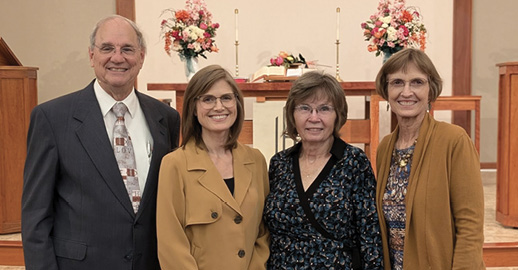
[321,207]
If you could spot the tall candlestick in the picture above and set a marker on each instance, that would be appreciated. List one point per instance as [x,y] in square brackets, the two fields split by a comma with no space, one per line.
[236,11]
[337,23]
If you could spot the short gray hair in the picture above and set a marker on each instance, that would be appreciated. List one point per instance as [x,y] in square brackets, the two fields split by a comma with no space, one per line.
[140,36]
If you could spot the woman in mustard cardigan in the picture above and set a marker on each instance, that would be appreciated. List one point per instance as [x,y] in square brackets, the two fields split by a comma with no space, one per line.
[429,190]
[211,190]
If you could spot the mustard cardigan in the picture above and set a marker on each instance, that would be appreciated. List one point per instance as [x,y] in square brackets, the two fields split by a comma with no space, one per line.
[200,225]
[444,200]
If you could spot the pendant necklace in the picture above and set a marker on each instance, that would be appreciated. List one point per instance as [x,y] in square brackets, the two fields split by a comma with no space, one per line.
[402,160]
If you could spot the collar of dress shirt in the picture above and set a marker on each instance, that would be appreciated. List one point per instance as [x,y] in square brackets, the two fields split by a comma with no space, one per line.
[106,101]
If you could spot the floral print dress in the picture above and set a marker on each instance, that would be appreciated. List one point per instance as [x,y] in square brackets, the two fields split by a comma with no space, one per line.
[342,200]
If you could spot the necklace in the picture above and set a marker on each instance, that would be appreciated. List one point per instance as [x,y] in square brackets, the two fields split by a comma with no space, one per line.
[312,168]
[402,159]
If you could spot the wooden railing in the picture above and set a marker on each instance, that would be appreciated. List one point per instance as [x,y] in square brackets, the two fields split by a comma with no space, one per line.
[461,103]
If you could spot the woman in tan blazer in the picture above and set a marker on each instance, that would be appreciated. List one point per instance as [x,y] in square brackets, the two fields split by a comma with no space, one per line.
[429,190]
[212,189]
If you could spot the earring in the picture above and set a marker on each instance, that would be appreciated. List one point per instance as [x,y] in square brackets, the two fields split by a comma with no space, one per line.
[388,106]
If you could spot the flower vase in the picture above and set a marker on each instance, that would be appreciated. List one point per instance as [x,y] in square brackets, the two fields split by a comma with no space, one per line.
[191,66]
[386,56]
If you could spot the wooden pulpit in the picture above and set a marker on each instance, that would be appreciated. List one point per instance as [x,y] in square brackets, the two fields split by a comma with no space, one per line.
[507,146]
[18,96]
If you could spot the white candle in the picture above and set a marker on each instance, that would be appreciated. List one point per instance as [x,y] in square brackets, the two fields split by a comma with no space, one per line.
[236,11]
[337,23]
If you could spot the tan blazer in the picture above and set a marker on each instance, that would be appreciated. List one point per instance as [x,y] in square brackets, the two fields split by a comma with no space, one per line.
[199,224]
[444,200]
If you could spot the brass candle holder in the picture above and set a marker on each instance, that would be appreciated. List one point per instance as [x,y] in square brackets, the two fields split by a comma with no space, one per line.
[338,60]
[338,44]
[236,12]
[237,59]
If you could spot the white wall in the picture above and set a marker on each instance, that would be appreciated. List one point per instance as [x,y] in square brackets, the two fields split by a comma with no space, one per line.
[307,27]
[53,35]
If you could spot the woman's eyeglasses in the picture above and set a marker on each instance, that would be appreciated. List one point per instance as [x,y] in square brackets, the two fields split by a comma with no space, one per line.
[322,110]
[209,101]
[414,84]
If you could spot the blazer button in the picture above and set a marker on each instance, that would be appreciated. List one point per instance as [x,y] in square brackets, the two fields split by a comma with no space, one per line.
[214,215]
[238,219]
[241,253]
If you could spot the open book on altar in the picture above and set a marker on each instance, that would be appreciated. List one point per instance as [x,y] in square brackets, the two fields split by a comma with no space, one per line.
[279,73]
[267,71]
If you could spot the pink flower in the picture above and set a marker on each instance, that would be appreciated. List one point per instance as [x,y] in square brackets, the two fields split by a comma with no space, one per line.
[403,30]
[279,61]
[181,30]
[406,21]
[276,61]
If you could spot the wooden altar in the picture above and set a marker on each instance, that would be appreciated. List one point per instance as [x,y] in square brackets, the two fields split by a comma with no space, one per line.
[507,146]
[364,131]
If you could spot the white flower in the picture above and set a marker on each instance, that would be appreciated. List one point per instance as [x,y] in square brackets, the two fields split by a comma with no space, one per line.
[391,34]
[192,32]
[197,46]
[386,19]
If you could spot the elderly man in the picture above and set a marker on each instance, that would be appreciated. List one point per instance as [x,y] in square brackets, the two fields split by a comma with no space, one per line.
[90,178]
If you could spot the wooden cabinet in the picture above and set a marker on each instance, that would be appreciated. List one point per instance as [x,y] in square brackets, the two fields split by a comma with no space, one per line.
[507,147]
[18,96]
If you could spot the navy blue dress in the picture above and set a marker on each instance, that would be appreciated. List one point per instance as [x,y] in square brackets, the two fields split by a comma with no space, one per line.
[342,200]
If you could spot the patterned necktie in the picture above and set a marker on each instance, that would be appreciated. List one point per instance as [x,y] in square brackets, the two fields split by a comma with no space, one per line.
[123,149]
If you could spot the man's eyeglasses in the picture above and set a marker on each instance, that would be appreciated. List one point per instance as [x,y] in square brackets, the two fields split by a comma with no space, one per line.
[209,101]
[415,84]
[110,49]
[322,110]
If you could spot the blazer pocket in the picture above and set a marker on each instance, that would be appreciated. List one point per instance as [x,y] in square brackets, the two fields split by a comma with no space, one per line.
[69,249]
[203,211]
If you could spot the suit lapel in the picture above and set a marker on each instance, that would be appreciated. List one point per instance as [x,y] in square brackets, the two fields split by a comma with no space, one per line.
[161,147]
[198,159]
[97,144]
[242,173]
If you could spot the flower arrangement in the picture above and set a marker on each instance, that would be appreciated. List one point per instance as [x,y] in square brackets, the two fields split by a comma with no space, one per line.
[189,31]
[394,27]
[287,60]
